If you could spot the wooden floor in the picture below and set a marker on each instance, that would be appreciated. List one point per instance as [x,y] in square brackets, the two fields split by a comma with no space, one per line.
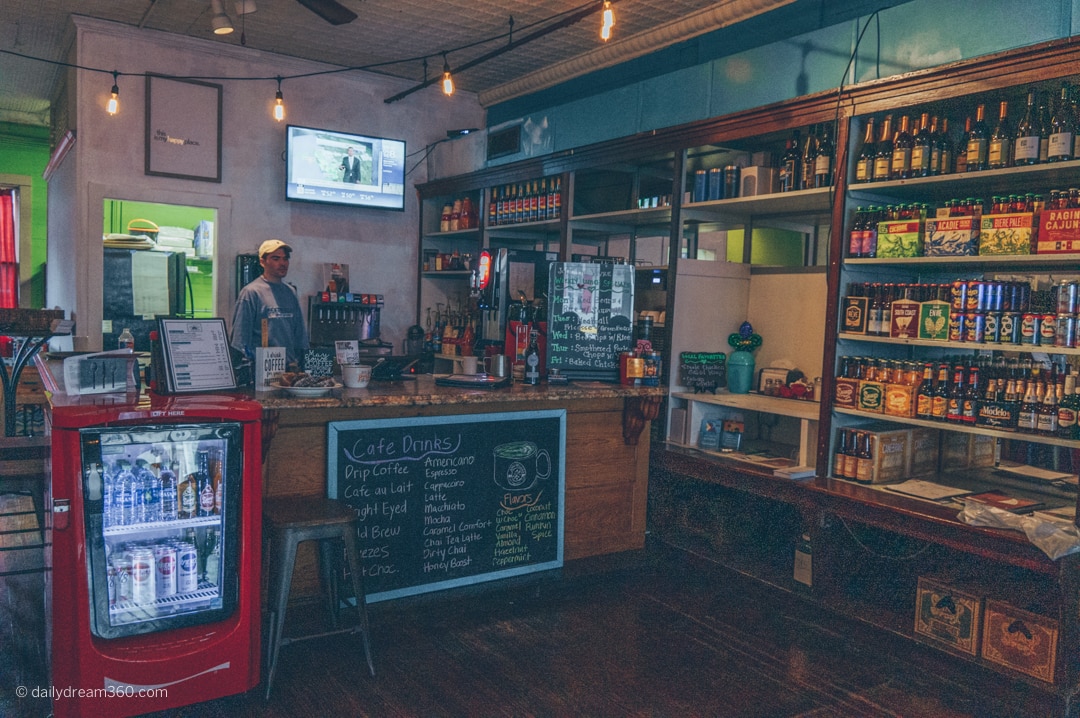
[655,633]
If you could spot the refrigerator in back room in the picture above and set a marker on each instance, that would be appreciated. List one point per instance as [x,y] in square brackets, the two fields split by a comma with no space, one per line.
[139,285]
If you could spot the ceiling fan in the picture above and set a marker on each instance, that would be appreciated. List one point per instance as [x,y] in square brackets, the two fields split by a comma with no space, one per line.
[330,10]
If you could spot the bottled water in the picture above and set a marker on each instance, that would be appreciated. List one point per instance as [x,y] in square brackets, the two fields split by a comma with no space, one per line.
[167,491]
[151,495]
[124,496]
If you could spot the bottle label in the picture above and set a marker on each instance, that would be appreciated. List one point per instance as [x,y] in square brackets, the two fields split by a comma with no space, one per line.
[881,168]
[976,152]
[1046,423]
[924,406]
[864,471]
[1061,145]
[1027,148]
[920,158]
[1066,418]
[863,170]
[901,160]
[999,152]
[206,499]
[187,500]
[823,164]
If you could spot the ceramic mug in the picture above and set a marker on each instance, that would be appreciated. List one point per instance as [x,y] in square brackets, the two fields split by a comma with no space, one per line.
[468,365]
[355,376]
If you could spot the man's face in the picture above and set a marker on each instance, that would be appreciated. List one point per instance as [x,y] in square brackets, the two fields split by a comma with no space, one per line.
[275,265]
[350,152]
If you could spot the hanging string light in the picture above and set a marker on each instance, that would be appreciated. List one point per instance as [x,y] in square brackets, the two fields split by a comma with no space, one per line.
[279,107]
[447,78]
[607,22]
[113,105]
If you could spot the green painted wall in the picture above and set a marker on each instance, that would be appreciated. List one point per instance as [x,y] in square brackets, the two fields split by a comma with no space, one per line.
[771,247]
[24,150]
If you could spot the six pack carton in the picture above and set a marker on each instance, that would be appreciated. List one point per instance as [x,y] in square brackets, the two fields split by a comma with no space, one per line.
[899,239]
[1006,233]
[1059,232]
[951,237]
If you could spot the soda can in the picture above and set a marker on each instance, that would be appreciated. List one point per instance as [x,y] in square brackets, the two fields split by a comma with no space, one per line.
[1048,330]
[1065,336]
[1029,328]
[165,566]
[1068,297]
[993,327]
[122,582]
[957,326]
[975,329]
[1010,327]
[976,296]
[187,568]
[959,295]
[142,577]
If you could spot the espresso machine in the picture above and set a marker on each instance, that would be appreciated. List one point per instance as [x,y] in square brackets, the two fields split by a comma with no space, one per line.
[353,317]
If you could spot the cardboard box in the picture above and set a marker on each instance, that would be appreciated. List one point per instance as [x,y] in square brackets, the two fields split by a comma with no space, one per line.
[1059,232]
[905,319]
[966,451]
[899,400]
[755,181]
[854,314]
[923,452]
[846,393]
[947,616]
[951,237]
[899,239]
[934,320]
[871,396]
[888,451]
[1020,640]
[1006,233]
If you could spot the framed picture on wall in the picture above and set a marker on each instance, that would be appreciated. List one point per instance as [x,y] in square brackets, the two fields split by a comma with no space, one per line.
[183,128]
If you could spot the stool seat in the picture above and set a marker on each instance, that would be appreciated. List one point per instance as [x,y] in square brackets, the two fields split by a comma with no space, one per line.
[287,522]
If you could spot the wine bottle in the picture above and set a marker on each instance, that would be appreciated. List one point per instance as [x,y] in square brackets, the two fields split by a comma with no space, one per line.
[978,142]
[1062,128]
[922,152]
[900,165]
[1000,153]
[946,152]
[961,147]
[884,148]
[1026,143]
[1044,133]
[791,165]
[809,159]
[823,161]
[864,165]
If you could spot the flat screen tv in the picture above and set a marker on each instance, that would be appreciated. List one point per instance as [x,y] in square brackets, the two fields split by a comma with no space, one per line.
[342,168]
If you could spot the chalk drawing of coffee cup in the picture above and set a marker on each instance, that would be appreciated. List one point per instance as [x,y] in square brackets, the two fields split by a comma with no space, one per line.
[520,464]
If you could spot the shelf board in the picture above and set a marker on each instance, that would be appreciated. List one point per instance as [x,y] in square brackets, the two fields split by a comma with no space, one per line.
[1021,348]
[653,215]
[1053,175]
[551,225]
[797,408]
[961,428]
[1000,261]
[806,201]
[453,234]
[458,273]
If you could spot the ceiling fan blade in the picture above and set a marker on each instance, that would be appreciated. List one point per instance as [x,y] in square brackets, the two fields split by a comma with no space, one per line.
[330,10]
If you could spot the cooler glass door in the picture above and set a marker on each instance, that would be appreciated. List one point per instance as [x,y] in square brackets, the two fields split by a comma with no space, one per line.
[162,512]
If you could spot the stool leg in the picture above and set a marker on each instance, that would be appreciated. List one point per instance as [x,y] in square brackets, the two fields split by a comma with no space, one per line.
[349,539]
[328,562]
[286,557]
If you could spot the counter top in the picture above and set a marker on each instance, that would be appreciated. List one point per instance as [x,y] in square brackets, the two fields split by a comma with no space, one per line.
[422,391]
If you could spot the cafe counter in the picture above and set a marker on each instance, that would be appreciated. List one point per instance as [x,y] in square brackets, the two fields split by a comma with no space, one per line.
[607,444]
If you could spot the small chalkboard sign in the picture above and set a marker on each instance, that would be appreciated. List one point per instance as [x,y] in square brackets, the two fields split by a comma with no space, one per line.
[590,318]
[451,500]
[703,371]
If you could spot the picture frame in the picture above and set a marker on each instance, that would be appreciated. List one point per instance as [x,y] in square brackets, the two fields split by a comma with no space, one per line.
[769,376]
[183,128]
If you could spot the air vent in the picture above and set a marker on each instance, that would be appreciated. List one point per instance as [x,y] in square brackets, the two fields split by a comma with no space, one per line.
[504,142]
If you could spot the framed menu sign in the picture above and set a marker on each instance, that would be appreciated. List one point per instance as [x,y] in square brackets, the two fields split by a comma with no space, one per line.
[196,355]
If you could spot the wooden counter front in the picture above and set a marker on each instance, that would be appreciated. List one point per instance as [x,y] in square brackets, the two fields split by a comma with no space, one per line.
[606,474]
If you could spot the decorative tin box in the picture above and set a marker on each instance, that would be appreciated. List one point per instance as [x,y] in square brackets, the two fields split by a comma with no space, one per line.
[948,617]
[1020,640]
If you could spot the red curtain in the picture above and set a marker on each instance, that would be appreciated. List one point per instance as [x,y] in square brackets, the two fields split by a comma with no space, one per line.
[9,267]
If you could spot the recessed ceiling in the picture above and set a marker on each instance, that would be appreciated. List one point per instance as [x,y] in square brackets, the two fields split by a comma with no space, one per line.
[388,36]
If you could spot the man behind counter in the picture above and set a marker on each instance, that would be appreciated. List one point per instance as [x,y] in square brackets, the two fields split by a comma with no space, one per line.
[269,299]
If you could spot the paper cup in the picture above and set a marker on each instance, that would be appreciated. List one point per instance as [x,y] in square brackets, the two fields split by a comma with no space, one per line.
[355,376]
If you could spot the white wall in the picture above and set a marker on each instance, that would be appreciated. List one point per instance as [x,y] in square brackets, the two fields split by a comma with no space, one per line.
[380,247]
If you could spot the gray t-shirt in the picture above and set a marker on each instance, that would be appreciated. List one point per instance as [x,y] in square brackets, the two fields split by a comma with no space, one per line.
[277,303]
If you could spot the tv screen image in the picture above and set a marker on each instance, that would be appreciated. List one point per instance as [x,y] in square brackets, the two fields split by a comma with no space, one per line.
[342,168]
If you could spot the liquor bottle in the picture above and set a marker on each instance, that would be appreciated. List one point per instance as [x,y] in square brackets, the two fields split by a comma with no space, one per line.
[556,200]
[978,142]
[1067,409]
[969,411]
[1046,415]
[900,164]
[532,359]
[204,485]
[809,159]
[922,153]
[167,486]
[924,395]
[864,164]
[1029,406]
[864,472]
[961,147]
[884,148]
[189,497]
[1000,153]
[940,405]
[791,165]
[935,146]
[1026,143]
[1062,129]
[542,200]
[955,411]
[823,162]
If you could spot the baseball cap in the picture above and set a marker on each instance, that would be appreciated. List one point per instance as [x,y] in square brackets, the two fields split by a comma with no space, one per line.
[272,245]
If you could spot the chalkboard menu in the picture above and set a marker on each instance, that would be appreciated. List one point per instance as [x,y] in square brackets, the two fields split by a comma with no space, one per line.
[590,318]
[703,371]
[451,500]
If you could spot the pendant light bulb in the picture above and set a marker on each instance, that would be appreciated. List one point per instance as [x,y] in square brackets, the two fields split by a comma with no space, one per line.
[447,79]
[113,105]
[279,107]
[220,21]
[607,22]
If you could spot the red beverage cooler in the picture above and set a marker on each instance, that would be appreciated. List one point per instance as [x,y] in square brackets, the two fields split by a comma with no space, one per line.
[154,591]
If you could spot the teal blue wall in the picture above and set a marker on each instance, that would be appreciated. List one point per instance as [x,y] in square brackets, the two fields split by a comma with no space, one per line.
[709,80]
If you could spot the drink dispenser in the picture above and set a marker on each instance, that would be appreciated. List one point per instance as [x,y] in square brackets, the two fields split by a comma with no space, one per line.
[353,320]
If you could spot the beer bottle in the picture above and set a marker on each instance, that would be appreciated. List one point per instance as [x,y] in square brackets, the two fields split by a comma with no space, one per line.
[884,147]
[865,466]
[1046,416]
[924,397]
[204,485]
[840,458]
[189,497]
[955,411]
[1029,406]
[1067,408]
[970,403]
[940,404]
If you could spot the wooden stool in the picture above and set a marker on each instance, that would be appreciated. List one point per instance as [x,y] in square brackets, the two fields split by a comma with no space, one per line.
[289,521]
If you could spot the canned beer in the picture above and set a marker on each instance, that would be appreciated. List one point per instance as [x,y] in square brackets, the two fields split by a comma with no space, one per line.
[957,326]
[1048,330]
[976,296]
[1065,336]
[187,568]
[1029,328]
[975,329]
[993,328]
[959,295]
[142,577]
[1010,327]
[1068,297]
[165,567]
